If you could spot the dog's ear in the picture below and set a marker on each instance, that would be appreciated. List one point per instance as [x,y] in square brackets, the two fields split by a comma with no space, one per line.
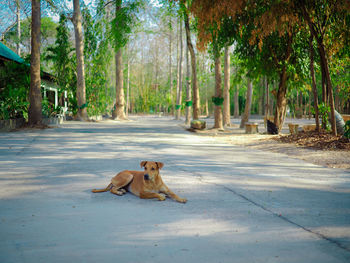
[160,165]
[143,163]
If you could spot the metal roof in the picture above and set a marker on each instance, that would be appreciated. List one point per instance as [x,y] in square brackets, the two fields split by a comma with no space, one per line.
[8,54]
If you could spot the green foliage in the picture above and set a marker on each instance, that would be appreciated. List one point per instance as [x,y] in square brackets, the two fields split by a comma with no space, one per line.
[324,111]
[49,109]
[14,89]
[97,56]
[48,32]
[123,23]
[63,60]
[347,130]
[218,101]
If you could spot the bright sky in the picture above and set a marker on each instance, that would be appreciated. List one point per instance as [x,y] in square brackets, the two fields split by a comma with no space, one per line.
[8,15]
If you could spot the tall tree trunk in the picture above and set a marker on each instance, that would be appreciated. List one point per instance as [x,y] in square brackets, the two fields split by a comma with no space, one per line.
[35,107]
[170,63]
[281,101]
[18,15]
[272,99]
[261,97]
[313,78]
[266,84]
[128,90]
[179,77]
[188,89]
[79,47]
[337,99]
[227,113]
[329,85]
[196,98]
[118,112]
[218,124]
[236,102]
[248,104]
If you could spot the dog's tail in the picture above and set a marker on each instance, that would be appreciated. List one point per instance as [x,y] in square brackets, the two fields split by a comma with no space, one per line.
[109,187]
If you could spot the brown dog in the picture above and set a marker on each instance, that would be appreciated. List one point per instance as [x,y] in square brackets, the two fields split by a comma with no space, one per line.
[147,184]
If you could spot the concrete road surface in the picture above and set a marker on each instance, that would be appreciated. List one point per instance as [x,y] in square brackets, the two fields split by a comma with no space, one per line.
[243,205]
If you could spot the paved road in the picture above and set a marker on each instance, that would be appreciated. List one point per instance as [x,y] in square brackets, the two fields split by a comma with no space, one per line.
[244,205]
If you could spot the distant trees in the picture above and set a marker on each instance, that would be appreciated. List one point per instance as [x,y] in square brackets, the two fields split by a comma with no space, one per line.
[296,53]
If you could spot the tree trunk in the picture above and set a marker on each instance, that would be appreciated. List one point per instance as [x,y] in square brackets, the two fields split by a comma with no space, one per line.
[248,104]
[329,84]
[227,113]
[170,65]
[281,101]
[337,99]
[261,97]
[118,112]
[272,100]
[267,97]
[35,107]
[188,90]
[324,66]
[313,78]
[236,102]
[179,78]
[128,90]
[79,47]
[18,15]
[218,124]
[196,98]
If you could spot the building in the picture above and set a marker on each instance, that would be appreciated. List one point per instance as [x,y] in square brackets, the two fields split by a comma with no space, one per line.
[48,84]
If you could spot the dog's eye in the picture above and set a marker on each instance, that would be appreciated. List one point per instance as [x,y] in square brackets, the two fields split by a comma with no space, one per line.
[152,169]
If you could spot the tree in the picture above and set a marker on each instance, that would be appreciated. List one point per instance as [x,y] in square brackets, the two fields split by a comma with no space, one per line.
[248,104]
[226,112]
[121,28]
[188,89]
[251,23]
[326,19]
[35,107]
[217,99]
[79,47]
[47,34]
[98,56]
[119,112]
[195,89]
[18,20]
[179,76]
[60,54]
[313,78]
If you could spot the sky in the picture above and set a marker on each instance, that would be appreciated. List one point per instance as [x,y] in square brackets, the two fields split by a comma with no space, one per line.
[8,11]
[8,15]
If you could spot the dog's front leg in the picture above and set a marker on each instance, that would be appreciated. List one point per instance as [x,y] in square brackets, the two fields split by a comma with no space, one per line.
[172,195]
[149,195]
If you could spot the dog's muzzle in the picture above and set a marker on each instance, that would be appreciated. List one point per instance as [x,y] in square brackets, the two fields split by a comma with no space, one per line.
[146,177]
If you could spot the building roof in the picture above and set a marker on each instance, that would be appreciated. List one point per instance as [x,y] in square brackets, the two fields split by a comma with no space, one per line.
[7,54]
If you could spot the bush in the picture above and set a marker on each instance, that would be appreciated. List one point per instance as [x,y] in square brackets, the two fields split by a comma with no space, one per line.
[347,130]
[14,89]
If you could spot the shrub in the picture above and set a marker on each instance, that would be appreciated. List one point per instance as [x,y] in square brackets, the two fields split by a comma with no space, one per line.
[347,130]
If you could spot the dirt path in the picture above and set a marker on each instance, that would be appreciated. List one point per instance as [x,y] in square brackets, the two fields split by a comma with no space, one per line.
[270,143]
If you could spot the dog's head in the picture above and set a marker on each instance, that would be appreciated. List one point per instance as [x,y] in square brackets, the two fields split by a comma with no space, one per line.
[151,169]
